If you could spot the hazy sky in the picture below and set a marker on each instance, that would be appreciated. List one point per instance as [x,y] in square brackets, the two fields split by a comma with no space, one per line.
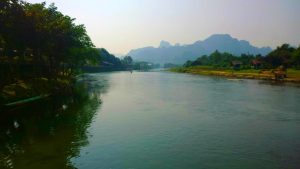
[122,25]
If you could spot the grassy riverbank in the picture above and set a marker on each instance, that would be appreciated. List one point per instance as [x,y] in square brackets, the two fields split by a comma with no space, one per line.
[292,74]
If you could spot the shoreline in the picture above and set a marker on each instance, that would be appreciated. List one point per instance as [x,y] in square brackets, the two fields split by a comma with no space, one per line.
[236,74]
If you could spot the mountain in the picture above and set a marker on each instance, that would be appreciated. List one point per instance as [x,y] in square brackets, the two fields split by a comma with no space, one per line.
[179,54]
[164,44]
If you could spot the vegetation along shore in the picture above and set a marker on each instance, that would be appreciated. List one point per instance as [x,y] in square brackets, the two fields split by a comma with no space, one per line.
[282,64]
[292,74]
[46,58]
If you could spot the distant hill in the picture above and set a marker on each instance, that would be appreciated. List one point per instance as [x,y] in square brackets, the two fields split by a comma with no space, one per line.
[109,59]
[179,54]
[108,63]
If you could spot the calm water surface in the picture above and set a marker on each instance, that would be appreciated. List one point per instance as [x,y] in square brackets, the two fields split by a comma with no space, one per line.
[149,120]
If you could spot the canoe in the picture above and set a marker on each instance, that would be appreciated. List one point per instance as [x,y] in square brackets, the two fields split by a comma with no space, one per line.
[27,100]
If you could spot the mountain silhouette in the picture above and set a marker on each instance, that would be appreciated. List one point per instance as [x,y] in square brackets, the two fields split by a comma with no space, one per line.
[179,54]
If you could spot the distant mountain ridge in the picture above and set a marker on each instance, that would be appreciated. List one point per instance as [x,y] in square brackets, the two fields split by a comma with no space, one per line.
[179,54]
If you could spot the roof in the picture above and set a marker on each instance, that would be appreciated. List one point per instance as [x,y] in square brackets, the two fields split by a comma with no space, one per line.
[256,61]
[236,62]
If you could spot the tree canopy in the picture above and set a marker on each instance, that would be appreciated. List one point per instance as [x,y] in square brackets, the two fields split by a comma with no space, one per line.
[284,55]
[41,36]
[41,49]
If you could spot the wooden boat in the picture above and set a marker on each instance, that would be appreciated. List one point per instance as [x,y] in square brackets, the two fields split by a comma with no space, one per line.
[27,100]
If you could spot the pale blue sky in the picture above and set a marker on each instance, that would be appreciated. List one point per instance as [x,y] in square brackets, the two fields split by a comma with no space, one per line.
[122,25]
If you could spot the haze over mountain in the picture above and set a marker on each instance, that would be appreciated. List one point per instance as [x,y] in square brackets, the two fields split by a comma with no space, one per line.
[178,54]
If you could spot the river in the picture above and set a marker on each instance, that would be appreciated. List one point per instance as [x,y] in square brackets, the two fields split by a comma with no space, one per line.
[149,120]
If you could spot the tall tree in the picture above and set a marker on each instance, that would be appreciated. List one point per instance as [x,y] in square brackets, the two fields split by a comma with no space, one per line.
[45,41]
[281,56]
[296,58]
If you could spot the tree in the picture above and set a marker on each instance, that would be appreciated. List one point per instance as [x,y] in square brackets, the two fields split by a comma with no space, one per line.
[127,60]
[188,63]
[296,58]
[215,58]
[109,58]
[280,56]
[38,41]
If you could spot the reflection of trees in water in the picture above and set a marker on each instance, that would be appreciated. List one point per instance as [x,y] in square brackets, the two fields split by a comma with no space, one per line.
[94,84]
[49,133]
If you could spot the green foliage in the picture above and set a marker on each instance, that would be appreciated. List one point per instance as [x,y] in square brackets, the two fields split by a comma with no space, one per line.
[109,58]
[284,55]
[42,38]
[218,60]
[127,60]
[281,56]
[39,42]
[296,58]
[108,62]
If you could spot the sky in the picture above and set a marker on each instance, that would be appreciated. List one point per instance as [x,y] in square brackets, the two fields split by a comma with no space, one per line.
[122,25]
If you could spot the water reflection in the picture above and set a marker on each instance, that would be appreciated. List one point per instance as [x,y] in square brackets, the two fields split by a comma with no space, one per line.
[278,83]
[157,120]
[47,134]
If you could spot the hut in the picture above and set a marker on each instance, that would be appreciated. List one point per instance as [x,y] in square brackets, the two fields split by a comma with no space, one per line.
[280,73]
[236,64]
[256,63]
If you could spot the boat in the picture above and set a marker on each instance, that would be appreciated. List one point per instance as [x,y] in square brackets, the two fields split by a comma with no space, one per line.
[22,102]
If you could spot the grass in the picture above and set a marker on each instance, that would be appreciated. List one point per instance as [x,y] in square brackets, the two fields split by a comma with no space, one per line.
[292,74]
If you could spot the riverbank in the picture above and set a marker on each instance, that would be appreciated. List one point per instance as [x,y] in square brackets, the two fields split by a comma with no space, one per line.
[37,87]
[292,74]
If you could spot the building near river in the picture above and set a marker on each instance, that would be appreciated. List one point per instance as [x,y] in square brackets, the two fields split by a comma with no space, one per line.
[236,64]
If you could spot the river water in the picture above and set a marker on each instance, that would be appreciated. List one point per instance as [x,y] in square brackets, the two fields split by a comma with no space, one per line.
[149,120]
